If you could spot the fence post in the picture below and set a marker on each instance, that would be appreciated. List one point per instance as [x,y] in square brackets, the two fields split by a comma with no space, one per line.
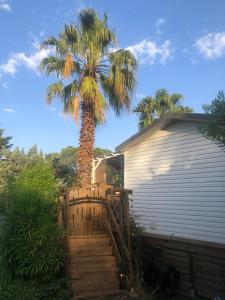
[127,214]
[66,224]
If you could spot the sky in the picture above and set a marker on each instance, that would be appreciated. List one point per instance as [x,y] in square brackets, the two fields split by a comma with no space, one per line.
[179,45]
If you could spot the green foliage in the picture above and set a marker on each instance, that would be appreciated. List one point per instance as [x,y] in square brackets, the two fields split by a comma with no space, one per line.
[150,109]
[15,161]
[98,76]
[101,152]
[4,140]
[136,235]
[30,245]
[64,163]
[56,289]
[214,128]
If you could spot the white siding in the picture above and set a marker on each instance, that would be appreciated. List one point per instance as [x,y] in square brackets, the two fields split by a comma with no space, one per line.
[178,182]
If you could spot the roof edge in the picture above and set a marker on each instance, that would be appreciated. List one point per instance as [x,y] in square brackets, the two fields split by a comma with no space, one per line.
[161,124]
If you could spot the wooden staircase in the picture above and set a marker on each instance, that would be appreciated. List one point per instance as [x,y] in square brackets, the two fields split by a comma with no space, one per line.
[93,267]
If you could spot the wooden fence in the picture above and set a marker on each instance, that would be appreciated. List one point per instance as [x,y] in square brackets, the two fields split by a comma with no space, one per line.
[95,210]
[201,265]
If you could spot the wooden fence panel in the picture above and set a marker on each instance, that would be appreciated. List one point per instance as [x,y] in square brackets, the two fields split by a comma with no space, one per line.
[87,219]
[201,265]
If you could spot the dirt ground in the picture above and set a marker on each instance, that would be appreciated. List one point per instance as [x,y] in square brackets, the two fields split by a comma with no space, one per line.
[142,295]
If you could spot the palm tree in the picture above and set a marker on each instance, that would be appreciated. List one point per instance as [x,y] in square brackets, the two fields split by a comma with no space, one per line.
[151,109]
[100,77]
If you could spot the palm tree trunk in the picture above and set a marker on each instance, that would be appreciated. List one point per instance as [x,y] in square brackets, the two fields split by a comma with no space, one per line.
[86,149]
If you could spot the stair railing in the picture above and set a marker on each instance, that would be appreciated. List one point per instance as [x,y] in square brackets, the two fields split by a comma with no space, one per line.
[119,231]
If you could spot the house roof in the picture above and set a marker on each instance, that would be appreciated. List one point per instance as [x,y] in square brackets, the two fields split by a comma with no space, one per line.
[162,123]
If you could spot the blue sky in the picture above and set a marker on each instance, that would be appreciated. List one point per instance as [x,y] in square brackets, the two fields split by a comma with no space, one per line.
[179,44]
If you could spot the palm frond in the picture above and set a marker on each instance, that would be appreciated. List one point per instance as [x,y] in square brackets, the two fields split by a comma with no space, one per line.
[184,109]
[68,66]
[59,45]
[120,83]
[70,34]
[54,90]
[96,32]
[76,108]
[53,65]
[89,91]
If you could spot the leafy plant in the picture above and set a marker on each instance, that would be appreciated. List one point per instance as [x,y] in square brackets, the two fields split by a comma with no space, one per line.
[55,289]
[214,127]
[30,244]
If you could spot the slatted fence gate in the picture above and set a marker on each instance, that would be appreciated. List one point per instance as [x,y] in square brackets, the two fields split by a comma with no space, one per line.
[87,218]
[87,211]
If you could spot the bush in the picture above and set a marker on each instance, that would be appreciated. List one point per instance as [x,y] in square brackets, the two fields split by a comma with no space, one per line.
[33,290]
[30,241]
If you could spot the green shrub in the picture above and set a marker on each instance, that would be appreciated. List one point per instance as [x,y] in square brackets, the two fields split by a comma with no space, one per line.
[34,290]
[30,241]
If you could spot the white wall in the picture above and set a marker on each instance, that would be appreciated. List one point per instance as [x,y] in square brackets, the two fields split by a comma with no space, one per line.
[178,182]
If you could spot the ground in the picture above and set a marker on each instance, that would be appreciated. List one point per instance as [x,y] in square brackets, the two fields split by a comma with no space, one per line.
[143,296]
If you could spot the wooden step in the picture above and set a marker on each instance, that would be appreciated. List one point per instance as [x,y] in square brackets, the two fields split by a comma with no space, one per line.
[92,266]
[92,261]
[91,240]
[86,237]
[100,272]
[90,251]
[97,277]
[96,293]
[88,284]
[88,271]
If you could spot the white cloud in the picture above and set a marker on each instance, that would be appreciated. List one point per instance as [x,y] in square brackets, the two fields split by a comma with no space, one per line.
[158,25]
[10,67]
[5,6]
[148,52]
[9,110]
[211,45]
[19,59]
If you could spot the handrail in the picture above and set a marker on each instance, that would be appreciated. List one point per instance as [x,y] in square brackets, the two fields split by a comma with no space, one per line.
[109,229]
[118,231]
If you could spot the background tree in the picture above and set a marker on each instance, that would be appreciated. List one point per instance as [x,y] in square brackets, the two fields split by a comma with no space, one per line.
[99,78]
[16,160]
[64,163]
[4,140]
[214,128]
[151,109]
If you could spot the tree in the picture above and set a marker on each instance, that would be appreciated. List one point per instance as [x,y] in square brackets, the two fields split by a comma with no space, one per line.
[151,109]
[99,78]
[214,128]
[4,141]
[16,160]
[65,165]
